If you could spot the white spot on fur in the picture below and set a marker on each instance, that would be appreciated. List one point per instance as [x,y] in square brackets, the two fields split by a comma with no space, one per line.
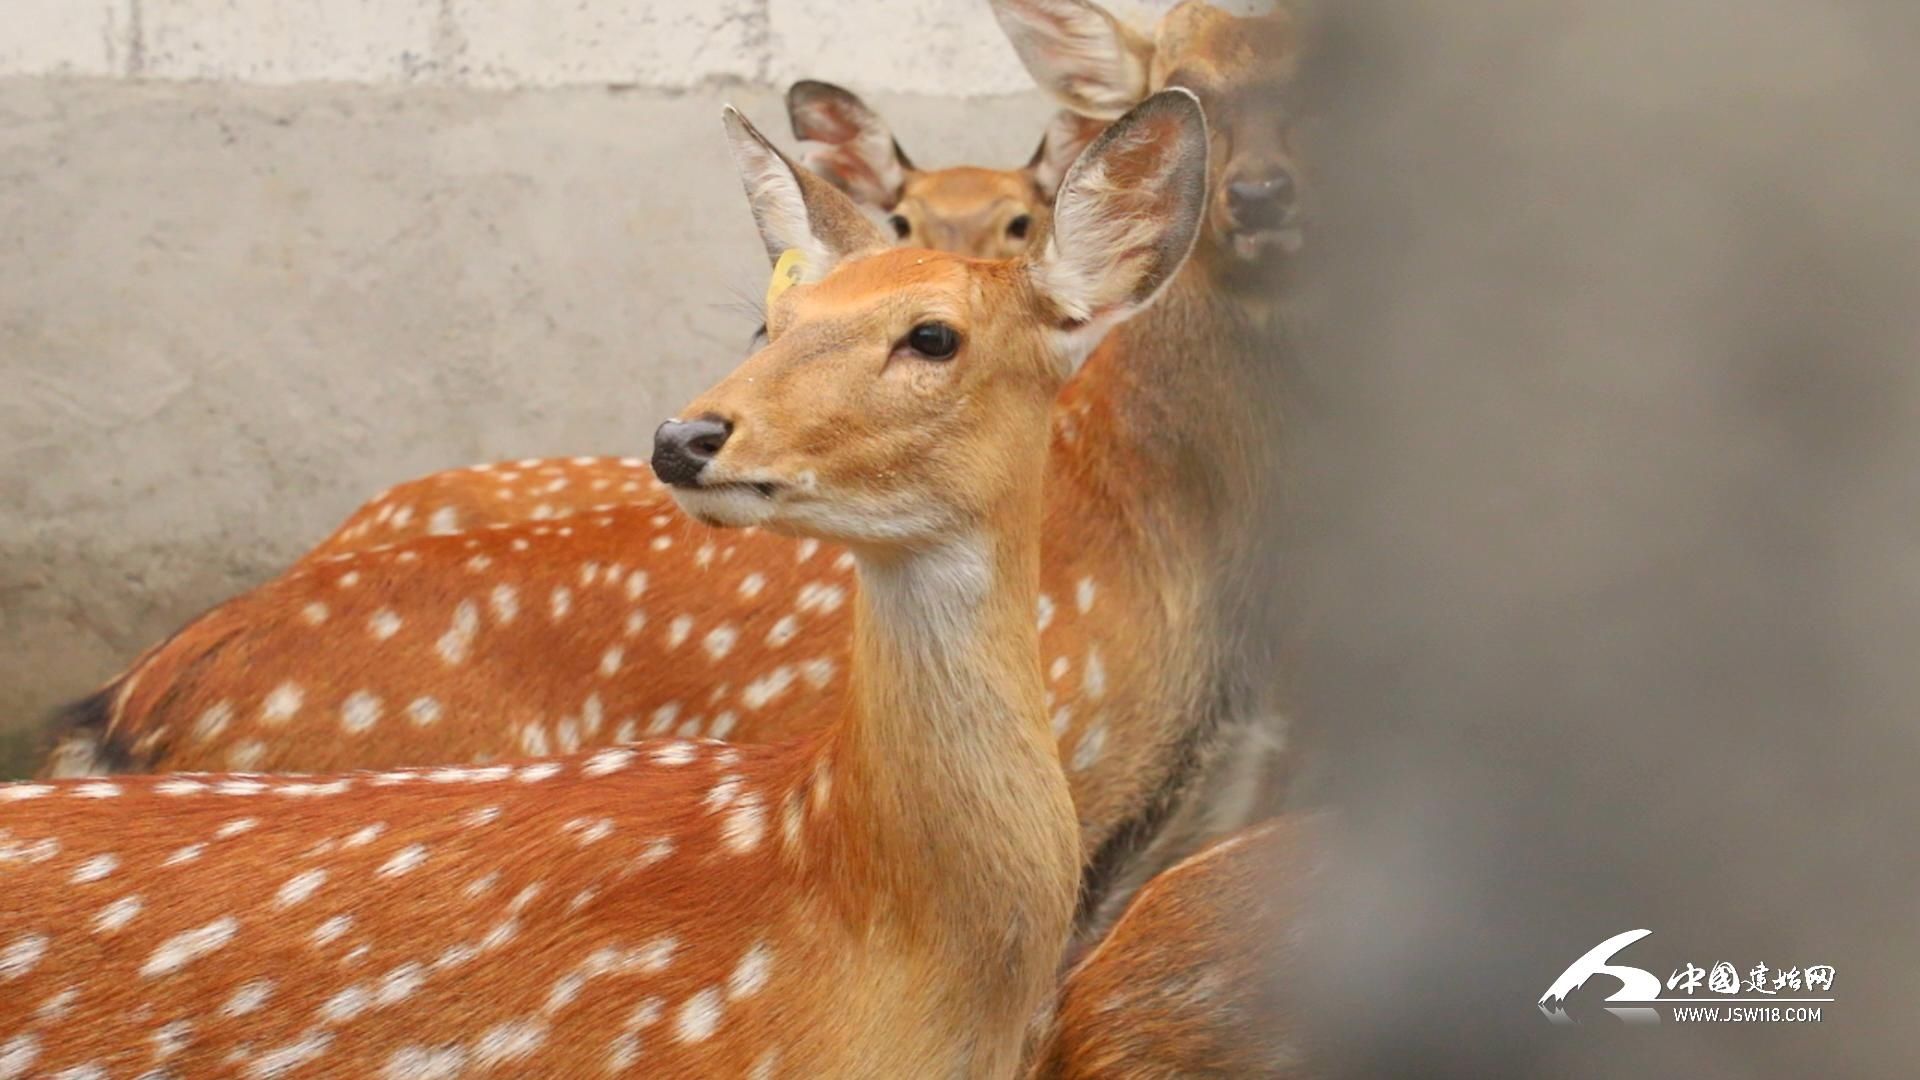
[1093,678]
[314,613]
[560,602]
[248,998]
[444,521]
[766,688]
[21,956]
[425,1063]
[698,1017]
[611,660]
[212,722]
[281,705]
[360,712]
[608,761]
[384,624]
[636,584]
[750,975]
[95,869]
[331,930]
[821,597]
[783,631]
[508,1042]
[365,836]
[818,673]
[674,753]
[505,603]
[97,791]
[247,756]
[18,1054]
[456,644]
[182,949]
[678,629]
[1043,611]
[299,887]
[743,826]
[423,711]
[282,1060]
[403,861]
[23,792]
[1091,743]
[719,641]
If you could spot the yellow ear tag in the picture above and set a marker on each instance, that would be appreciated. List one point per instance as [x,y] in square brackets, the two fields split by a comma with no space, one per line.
[787,273]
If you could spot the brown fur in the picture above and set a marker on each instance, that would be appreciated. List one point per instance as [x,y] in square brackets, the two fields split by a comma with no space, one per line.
[887,897]
[1196,977]
[1161,456]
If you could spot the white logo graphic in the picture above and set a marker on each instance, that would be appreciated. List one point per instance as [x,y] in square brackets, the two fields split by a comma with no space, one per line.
[1640,989]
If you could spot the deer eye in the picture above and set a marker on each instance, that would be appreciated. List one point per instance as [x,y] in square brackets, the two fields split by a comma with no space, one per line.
[1017,228]
[935,341]
[901,226]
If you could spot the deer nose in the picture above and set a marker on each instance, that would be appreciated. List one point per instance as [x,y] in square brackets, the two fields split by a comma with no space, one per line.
[1261,202]
[681,448]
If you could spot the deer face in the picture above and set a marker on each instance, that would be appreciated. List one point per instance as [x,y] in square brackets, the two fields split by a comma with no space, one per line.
[1239,67]
[986,213]
[904,393]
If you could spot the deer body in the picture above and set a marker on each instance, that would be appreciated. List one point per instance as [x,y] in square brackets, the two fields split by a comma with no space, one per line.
[887,897]
[1196,976]
[626,621]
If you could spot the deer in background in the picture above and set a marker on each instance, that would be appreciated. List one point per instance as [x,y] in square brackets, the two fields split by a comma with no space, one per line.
[1196,977]
[625,621]
[965,209]
[887,897]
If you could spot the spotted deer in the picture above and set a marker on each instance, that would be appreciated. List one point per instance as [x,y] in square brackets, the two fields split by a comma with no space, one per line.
[966,209]
[1196,977]
[886,897]
[627,621]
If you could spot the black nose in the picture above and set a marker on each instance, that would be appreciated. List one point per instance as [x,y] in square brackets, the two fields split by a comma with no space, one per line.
[681,448]
[1261,201]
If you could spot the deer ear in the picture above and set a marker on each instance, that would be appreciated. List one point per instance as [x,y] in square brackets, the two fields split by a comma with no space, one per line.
[1067,135]
[794,208]
[1126,218]
[846,142]
[1079,53]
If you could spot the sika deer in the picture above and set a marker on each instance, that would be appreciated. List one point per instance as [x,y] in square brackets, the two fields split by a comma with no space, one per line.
[968,210]
[626,621]
[886,898]
[1196,977]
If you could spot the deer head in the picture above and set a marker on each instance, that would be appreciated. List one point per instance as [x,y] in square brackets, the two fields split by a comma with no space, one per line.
[899,386]
[988,213]
[1240,68]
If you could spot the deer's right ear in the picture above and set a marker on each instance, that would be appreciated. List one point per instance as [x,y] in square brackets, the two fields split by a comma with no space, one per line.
[794,208]
[846,142]
[1126,218]
[1079,53]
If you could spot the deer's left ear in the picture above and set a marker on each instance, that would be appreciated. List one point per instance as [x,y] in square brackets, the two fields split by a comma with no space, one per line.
[1125,219]
[794,208]
[1068,133]
[847,142]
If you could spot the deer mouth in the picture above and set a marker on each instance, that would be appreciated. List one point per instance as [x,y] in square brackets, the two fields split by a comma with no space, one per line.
[729,503]
[1253,244]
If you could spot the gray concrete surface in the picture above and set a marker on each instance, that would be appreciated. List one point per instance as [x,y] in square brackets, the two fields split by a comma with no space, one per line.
[231,313]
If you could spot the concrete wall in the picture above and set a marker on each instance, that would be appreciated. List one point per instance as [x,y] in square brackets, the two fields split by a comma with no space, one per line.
[260,260]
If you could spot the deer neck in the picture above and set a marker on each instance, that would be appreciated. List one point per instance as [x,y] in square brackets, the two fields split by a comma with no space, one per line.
[951,779]
[1188,427]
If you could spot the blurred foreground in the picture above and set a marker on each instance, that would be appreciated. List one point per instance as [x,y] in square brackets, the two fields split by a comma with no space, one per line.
[1610,536]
